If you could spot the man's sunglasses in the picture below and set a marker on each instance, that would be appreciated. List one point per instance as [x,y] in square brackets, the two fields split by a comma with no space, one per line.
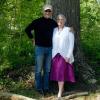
[47,10]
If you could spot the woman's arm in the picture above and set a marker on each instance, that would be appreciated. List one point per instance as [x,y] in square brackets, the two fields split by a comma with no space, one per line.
[71,45]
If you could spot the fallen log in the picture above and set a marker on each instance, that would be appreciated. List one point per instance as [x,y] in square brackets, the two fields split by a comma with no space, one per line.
[10,96]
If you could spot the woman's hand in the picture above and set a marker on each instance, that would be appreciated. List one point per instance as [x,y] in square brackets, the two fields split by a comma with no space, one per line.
[67,59]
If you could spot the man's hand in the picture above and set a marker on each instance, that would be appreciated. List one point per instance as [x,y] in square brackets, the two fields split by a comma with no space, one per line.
[33,41]
[72,30]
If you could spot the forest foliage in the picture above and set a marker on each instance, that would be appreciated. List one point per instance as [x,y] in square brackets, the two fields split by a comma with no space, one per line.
[90,32]
[16,49]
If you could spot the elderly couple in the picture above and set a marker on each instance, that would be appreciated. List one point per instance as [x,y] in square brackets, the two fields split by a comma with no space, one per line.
[54,44]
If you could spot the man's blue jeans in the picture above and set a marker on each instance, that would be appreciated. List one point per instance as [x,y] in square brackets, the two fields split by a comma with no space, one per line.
[42,68]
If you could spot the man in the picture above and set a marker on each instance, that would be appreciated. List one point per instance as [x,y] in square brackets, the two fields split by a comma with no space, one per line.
[43,29]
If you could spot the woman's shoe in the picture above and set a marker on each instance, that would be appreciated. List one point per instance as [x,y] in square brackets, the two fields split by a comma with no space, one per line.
[59,98]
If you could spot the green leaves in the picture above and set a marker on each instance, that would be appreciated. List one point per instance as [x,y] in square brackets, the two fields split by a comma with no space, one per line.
[90,31]
[15,47]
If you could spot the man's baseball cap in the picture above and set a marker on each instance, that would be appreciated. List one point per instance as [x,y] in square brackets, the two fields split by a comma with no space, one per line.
[47,6]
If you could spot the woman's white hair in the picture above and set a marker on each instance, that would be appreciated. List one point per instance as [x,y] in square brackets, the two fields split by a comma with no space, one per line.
[62,16]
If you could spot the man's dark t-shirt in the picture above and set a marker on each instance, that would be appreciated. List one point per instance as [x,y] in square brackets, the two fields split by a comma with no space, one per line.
[43,29]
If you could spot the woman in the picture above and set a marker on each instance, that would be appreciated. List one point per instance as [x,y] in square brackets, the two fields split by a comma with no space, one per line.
[62,55]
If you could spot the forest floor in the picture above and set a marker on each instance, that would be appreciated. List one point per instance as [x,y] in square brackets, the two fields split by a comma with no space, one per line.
[21,82]
[70,96]
[28,90]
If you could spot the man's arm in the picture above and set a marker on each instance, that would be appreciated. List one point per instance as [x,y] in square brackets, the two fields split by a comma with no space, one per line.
[29,29]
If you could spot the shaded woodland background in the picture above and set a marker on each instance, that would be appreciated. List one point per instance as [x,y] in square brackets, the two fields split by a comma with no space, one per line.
[17,51]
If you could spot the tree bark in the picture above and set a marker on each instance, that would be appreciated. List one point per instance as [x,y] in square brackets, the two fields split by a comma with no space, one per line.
[71,9]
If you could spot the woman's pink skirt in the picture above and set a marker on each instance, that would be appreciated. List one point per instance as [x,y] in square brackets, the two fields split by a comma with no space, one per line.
[61,70]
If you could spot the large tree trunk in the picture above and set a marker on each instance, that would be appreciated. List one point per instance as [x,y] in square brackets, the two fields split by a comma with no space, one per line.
[71,9]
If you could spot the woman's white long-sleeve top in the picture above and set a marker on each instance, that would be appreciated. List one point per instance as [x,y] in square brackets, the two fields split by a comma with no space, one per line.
[63,43]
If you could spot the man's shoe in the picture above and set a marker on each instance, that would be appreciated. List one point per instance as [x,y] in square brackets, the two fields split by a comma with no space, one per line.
[40,92]
[46,92]
[53,91]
